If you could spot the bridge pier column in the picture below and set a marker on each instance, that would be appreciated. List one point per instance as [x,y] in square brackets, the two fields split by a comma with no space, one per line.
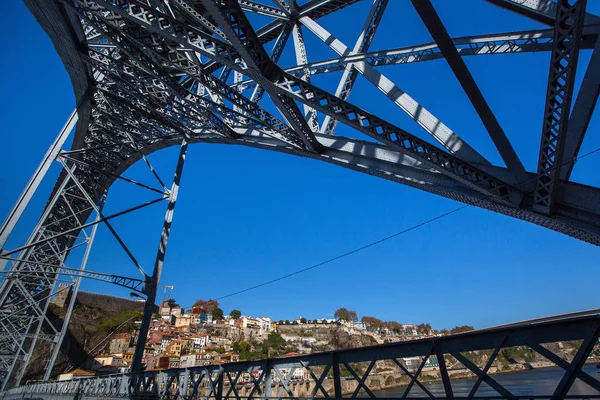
[150,291]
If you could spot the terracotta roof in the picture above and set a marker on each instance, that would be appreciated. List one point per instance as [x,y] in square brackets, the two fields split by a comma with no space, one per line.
[81,372]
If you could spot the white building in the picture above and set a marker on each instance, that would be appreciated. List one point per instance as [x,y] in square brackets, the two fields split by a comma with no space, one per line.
[200,340]
[356,325]
[411,330]
[299,374]
[194,360]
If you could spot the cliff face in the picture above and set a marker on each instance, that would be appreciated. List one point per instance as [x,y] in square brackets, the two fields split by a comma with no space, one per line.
[92,321]
[329,337]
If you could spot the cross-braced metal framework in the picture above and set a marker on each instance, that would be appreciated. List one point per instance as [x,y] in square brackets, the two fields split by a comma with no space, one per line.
[149,74]
[359,373]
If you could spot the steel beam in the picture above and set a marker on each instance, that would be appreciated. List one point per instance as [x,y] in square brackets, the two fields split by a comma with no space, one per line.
[39,174]
[439,33]
[186,383]
[440,132]
[275,55]
[543,11]
[136,363]
[582,112]
[362,46]
[561,79]
[234,23]
[302,59]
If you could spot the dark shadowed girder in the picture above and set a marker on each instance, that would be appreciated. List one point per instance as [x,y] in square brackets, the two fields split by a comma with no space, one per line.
[149,74]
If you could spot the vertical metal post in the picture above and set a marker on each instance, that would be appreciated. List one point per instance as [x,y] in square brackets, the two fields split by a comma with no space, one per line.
[337,383]
[268,378]
[23,200]
[67,318]
[150,291]
[219,391]
[443,372]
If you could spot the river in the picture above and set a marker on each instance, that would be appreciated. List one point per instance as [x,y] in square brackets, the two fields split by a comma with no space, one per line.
[524,383]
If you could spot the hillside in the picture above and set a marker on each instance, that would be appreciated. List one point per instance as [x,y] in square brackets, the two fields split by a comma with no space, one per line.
[94,319]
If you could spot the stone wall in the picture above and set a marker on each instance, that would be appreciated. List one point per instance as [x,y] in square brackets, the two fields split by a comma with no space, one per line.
[112,304]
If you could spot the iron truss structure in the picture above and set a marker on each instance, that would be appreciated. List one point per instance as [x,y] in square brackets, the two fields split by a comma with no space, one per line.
[149,74]
[357,373]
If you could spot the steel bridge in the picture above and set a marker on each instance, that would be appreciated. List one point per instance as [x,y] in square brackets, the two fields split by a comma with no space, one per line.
[148,74]
[355,373]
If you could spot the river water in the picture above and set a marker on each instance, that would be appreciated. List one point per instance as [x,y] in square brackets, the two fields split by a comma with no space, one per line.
[537,382]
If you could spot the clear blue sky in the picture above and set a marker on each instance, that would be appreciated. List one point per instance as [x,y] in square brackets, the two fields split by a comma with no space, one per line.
[247,215]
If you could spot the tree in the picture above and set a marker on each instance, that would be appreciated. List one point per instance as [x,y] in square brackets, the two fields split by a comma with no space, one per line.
[394,326]
[302,320]
[373,322]
[172,303]
[462,328]
[241,347]
[217,314]
[208,305]
[235,314]
[221,350]
[343,314]
[275,341]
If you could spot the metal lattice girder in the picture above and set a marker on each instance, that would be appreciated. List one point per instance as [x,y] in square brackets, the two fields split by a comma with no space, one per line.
[223,381]
[314,9]
[362,46]
[302,59]
[234,23]
[441,36]
[159,72]
[127,282]
[432,125]
[398,138]
[275,55]
[543,11]
[582,112]
[500,43]
[561,80]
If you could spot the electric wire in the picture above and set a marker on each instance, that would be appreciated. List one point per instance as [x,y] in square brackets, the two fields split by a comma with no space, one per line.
[387,238]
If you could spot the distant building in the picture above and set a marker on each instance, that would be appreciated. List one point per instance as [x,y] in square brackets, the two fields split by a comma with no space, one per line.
[413,363]
[120,343]
[356,325]
[62,297]
[108,359]
[411,330]
[181,321]
[174,348]
[228,357]
[165,310]
[168,362]
[195,360]
[166,339]
[76,374]
[198,316]
[200,340]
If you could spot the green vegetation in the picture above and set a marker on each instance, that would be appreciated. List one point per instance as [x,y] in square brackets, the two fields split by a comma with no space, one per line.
[208,305]
[235,314]
[518,353]
[343,314]
[273,346]
[127,318]
[462,328]
[217,314]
